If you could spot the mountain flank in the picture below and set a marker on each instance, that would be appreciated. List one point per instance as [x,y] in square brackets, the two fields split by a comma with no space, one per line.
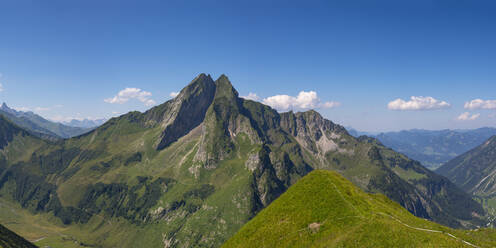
[475,172]
[193,170]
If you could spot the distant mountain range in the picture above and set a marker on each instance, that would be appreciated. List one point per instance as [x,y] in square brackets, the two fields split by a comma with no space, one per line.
[355,133]
[40,126]
[192,171]
[324,209]
[432,148]
[85,123]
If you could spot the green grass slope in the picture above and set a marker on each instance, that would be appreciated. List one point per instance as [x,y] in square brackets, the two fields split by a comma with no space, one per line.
[324,209]
[9,239]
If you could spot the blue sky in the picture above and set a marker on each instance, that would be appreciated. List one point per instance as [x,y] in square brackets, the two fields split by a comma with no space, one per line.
[62,59]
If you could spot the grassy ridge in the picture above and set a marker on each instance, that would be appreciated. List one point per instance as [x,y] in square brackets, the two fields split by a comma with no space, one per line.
[325,210]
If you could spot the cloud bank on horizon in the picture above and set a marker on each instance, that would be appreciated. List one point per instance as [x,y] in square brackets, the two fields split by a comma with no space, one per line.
[466,116]
[480,104]
[304,100]
[67,119]
[418,103]
[38,109]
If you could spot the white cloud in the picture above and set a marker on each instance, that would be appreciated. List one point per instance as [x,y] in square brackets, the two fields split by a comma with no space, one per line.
[23,109]
[418,103]
[37,109]
[59,118]
[132,93]
[330,104]
[467,116]
[41,109]
[173,94]
[251,96]
[304,100]
[480,104]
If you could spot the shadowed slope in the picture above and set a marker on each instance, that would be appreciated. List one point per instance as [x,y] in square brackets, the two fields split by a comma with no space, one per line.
[9,239]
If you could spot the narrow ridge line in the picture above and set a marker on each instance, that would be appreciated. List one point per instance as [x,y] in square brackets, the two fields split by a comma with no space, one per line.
[428,230]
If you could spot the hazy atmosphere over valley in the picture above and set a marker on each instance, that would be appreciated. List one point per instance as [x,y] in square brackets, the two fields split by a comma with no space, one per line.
[247,123]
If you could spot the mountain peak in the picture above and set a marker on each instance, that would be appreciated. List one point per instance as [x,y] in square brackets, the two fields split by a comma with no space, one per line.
[223,77]
[312,113]
[203,76]
[225,87]
[4,107]
[188,109]
[7,109]
[200,83]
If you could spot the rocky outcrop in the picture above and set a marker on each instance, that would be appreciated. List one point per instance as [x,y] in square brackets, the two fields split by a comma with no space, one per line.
[187,110]
[223,122]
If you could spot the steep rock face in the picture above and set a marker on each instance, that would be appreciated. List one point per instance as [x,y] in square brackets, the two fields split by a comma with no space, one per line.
[315,133]
[475,170]
[187,110]
[223,122]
